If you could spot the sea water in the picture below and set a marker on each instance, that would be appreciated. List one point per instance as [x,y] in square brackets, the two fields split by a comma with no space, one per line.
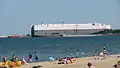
[58,46]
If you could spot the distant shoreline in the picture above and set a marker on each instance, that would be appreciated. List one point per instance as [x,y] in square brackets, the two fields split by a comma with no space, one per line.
[91,35]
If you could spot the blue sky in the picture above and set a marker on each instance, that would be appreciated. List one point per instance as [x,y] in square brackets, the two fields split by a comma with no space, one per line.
[16,16]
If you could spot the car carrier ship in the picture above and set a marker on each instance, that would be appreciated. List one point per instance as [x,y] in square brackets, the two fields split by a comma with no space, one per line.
[67,30]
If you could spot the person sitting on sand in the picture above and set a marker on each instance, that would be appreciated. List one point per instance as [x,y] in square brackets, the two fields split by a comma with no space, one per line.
[90,65]
[23,61]
[72,58]
[68,60]
[117,65]
[65,60]
[60,61]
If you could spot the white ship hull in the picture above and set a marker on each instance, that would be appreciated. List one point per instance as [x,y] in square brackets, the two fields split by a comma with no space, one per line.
[67,29]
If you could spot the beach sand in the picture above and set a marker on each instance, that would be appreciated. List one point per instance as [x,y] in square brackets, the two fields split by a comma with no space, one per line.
[79,63]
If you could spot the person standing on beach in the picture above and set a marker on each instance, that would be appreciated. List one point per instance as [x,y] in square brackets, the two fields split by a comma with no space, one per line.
[36,57]
[77,53]
[30,57]
[105,51]
[13,58]
[95,53]
[82,54]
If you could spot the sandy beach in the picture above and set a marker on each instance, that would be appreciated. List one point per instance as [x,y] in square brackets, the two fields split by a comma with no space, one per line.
[79,63]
